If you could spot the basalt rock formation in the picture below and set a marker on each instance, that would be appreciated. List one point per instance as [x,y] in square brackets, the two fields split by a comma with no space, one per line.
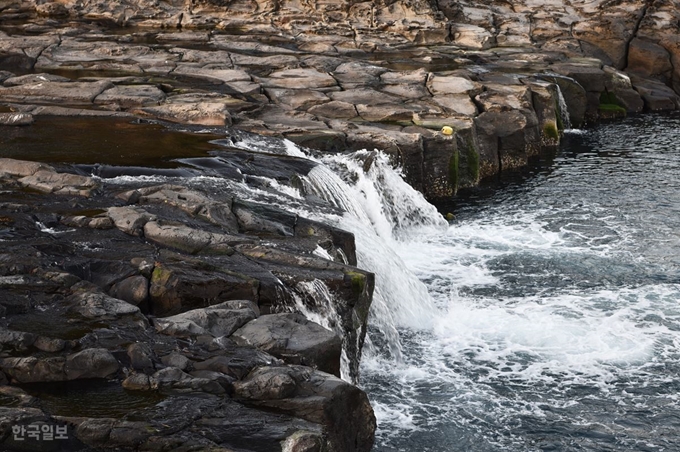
[349,75]
[187,298]
[174,307]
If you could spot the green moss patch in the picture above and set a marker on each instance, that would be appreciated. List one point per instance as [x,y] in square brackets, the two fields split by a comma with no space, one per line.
[550,130]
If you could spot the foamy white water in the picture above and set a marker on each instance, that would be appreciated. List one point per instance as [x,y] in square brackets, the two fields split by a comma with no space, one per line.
[546,318]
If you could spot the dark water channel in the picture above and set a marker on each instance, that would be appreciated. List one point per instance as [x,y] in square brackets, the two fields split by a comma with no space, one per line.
[558,308]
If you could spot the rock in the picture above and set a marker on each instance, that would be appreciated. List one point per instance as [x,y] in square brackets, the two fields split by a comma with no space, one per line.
[22,168]
[34,78]
[317,397]
[17,340]
[176,360]
[200,113]
[299,79]
[16,119]
[236,362]
[335,110]
[127,96]
[294,339]
[73,93]
[33,370]
[138,382]
[59,183]
[219,320]
[364,96]
[91,363]
[179,287]
[267,383]
[649,60]
[134,290]
[590,77]
[174,379]
[299,99]
[458,104]
[141,356]
[471,36]
[99,306]
[217,74]
[441,85]
[188,239]
[52,9]
[130,220]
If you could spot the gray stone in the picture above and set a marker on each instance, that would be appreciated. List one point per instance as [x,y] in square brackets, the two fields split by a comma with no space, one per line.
[218,320]
[294,339]
[92,305]
[134,290]
[91,363]
[130,220]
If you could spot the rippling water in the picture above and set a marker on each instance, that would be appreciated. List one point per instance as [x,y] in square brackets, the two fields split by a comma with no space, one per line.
[557,318]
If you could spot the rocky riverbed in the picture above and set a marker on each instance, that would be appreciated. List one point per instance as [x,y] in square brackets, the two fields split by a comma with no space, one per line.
[176,308]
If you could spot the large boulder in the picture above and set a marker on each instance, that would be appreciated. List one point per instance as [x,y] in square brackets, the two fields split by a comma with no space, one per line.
[294,339]
[343,409]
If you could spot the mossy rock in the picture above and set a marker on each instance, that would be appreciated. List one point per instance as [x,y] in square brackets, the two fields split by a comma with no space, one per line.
[611,111]
[357,281]
[551,131]
[473,162]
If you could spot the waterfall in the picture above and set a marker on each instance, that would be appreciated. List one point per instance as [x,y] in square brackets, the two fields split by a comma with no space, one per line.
[562,109]
[379,208]
[371,200]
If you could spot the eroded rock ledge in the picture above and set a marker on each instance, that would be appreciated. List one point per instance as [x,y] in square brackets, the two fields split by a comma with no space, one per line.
[181,302]
[335,76]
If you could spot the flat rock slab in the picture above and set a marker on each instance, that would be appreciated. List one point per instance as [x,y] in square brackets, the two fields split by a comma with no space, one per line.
[55,92]
[200,113]
[294,339]
[299,79]
[59,183]
[34,78]
[131,96]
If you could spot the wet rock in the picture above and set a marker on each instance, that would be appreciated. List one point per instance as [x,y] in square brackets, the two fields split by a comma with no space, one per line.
[317,397]
[34,78]
[294,339]
[219,320]
[267,383]
[298,98]
[174,379]
[16,119]
[236,362]
[90,363]
[188,239]
[32,370]
[178,287]
[100,306]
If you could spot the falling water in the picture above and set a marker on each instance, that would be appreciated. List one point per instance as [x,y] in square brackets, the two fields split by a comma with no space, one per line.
[562,109]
